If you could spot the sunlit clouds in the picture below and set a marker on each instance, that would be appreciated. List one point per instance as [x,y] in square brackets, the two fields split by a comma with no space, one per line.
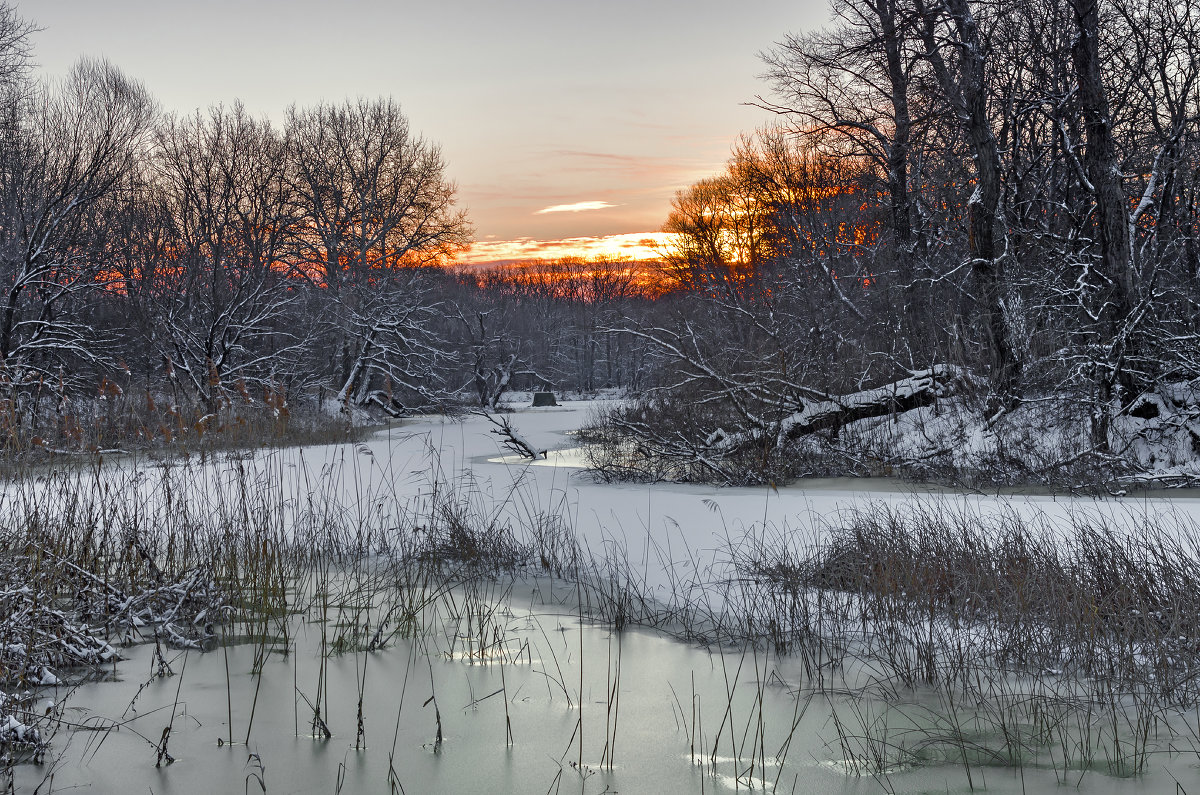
[629,246]
[577,207]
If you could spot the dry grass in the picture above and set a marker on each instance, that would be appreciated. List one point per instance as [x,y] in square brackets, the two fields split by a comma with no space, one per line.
[937,636]
[988,640]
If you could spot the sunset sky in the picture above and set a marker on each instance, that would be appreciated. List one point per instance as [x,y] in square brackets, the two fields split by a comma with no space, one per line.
[568,126]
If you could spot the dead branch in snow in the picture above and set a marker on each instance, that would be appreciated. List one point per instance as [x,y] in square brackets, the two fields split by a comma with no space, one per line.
[511,438]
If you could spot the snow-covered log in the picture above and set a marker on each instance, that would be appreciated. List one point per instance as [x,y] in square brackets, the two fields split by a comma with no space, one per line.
[918,389]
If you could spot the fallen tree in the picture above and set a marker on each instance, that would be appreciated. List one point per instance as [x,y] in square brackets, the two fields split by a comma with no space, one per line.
[832,412]
[673,436]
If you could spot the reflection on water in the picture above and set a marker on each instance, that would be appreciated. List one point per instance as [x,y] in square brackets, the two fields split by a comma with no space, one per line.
[570,728]
[568,457]
[579,709]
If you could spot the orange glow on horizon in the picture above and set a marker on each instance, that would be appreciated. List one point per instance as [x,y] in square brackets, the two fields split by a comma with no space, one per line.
[573,278]
[628,247]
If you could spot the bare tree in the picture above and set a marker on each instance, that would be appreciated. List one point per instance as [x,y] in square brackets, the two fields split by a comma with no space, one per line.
[851,86]
[401,360]
[372,193]
[958,53]
[493,353]
[73,148]
[371,197]
[222,286]
[16,51]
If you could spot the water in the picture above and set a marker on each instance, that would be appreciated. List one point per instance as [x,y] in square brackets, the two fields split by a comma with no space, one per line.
[556,685]
[587,709]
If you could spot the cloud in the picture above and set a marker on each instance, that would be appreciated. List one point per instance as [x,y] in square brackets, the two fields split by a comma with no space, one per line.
[577,207]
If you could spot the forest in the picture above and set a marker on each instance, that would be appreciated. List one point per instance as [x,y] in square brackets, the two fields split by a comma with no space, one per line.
[979,216]
[965,248]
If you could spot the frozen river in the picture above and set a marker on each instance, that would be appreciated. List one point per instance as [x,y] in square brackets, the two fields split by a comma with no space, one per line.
[557,704]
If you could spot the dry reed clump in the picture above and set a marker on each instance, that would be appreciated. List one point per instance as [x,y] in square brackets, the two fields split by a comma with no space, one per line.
[1086,596]
[59,622]
[95,557]
[120,418]
[1013,640]
[58,616]
[458,536]
[188,553]
[178,549]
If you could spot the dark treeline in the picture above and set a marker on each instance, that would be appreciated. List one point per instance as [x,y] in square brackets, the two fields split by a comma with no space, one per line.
[167,274]
[990,202]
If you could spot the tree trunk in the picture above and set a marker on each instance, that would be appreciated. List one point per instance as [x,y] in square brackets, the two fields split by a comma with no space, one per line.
[1112,217]
[966,91]
[918,390]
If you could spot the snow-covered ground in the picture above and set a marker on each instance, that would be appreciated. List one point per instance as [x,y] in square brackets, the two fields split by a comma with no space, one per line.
[657,531]
[652,526]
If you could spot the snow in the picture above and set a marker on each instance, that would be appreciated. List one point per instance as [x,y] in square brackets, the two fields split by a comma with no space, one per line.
[904,389]
[662,530]
[405,461]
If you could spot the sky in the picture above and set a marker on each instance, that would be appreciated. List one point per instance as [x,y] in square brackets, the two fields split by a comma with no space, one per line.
[567,126]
